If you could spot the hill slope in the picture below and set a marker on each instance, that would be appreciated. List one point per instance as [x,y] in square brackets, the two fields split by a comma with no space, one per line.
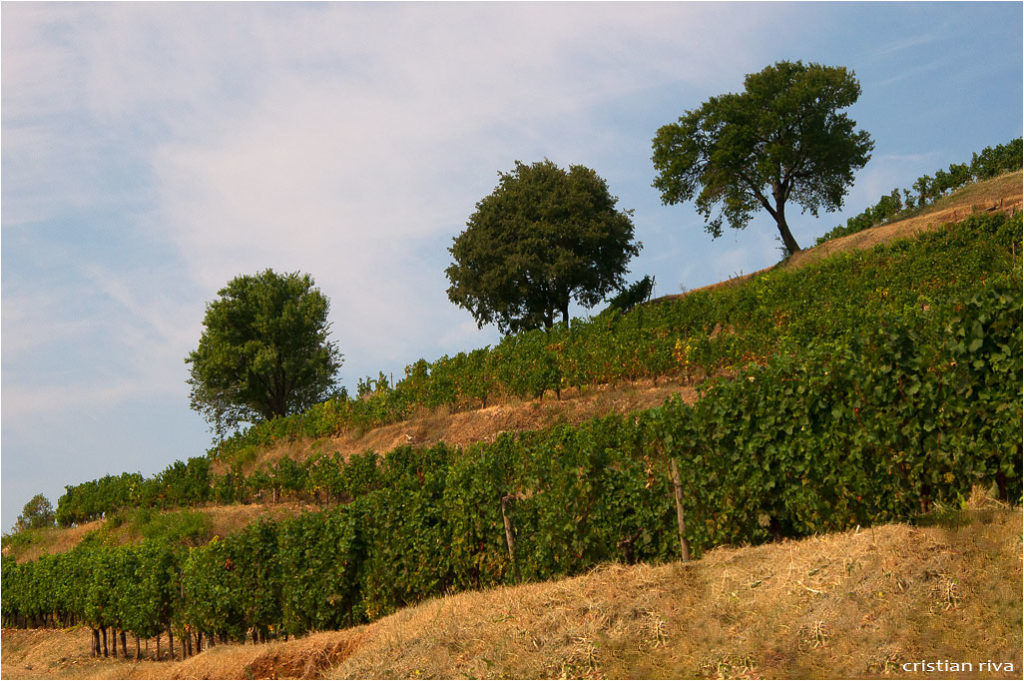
[857,604]
[1002,194]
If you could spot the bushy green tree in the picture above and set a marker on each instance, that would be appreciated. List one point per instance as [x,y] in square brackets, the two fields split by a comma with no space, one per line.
[543,238]
[37,513]
[781,139]
[264,351]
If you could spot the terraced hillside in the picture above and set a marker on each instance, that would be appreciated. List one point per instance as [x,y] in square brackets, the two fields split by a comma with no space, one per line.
[874,385]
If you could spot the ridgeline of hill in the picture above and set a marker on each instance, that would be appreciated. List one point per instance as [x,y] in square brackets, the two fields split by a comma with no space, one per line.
[899,411]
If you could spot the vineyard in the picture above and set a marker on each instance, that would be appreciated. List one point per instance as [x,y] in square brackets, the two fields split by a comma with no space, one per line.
[681,339]
[869,387]
[703,334]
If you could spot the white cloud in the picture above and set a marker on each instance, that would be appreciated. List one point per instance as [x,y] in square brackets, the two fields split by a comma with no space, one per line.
[345,140]
[343,171]
[909,42]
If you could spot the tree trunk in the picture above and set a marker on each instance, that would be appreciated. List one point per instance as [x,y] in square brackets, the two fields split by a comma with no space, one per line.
[684,546]
[510,535]
[170,640]
[103,630]
[158,646]
[138,649]
[787,236]
[96,642]
[124,645]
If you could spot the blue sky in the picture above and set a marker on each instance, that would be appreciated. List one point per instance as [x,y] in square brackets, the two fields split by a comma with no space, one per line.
[152,152]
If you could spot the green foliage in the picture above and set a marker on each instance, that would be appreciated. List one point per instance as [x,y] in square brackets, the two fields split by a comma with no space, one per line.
[37,514]
[172,528]
[178,485]
[543,238]
[18,541]
[320,554]
[632,295]
[264,351]
[92,499]
[782,138]
[996,160]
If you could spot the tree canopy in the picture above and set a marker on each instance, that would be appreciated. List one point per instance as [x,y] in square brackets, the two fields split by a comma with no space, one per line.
[781,138]
[264,351]
[542,238]
[37,513]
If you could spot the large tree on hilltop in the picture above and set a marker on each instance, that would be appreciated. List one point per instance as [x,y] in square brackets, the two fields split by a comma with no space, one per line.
[781,139]
[264,351]
[543,238]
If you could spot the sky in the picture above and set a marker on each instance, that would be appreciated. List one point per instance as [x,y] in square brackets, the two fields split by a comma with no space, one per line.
[152,152]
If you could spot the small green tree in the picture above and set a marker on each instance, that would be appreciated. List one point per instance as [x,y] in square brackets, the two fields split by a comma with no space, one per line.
[782,138]
[543,238]
[37,513]
[264,351]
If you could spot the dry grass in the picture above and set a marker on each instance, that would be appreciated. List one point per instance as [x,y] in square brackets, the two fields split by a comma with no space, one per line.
[483,425]
[48,654]
[228,519]
[52,540]
[223,521]
[852,605]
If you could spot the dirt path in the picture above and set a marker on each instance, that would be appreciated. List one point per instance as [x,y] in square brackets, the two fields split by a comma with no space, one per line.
[484,425]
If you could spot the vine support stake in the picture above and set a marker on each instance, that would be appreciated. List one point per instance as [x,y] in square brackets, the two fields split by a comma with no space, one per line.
[684,546]
[510,534]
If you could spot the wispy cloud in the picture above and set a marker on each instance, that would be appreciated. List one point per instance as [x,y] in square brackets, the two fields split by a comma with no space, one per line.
[909,42]
[349,141]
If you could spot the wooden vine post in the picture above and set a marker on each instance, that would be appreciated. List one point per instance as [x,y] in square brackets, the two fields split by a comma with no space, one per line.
[684,546]
[510,534]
